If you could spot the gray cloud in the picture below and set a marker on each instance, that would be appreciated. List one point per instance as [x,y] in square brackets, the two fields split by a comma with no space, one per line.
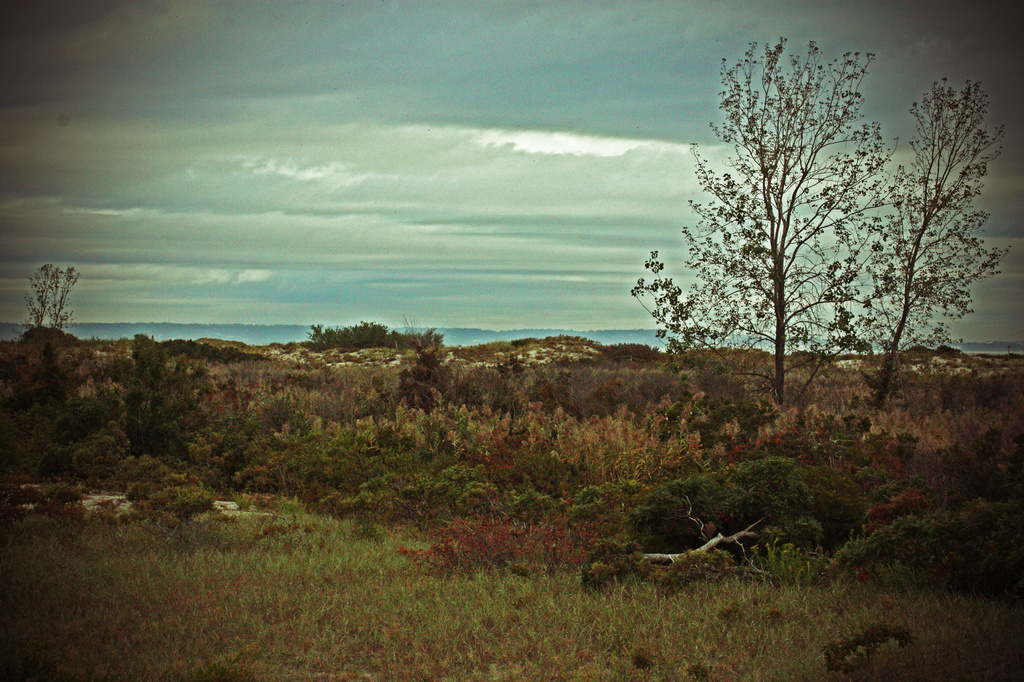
[500,164]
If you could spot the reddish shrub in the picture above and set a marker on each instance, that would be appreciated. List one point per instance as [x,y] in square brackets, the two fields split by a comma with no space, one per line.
[907,502]
[468,546]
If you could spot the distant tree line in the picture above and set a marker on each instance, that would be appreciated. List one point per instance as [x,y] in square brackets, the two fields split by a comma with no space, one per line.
[371,335]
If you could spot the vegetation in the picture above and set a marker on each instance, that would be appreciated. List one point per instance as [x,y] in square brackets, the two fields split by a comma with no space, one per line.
[370,335]
[48,303]
[488,513]
[806,249]
[930,252]
[778,249]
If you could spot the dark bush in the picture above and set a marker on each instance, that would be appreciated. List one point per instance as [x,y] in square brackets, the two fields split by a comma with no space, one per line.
[82,417]
[837,504]
[611,560]
[774,491]
[161,494]
[675,517]
[978,549]
[48,335]
[425,383]
[631,353]
[197,350]
[48,382]
[161,401]
[359,336]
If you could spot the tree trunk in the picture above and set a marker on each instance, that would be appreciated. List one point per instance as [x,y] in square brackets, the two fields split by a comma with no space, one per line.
[665,559]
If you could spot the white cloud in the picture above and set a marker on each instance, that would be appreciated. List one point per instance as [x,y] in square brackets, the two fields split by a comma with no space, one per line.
[144,273]
[544,142]
[335,174]
[248,276]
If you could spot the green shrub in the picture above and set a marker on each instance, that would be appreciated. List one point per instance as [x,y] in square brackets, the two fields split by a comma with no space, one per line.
[49,381]
[606,508]
[197,350]
[790,565]
[690,568]
[162,401]
[837,503]
[978,548]
[611,560]
[84,416]
[855,651]
[774,490]
[632,353]
[457,491]
[672,517]
[159,493]
[362,335]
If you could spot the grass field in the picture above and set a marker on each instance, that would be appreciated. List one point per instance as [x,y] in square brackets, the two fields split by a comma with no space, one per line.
[482,514]
[312,598]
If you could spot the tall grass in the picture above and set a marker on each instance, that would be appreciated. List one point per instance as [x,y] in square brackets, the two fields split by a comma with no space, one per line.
[304,598]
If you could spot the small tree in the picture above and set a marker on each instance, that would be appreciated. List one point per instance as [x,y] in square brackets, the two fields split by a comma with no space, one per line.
[48,302]
[777,251]
[929,252]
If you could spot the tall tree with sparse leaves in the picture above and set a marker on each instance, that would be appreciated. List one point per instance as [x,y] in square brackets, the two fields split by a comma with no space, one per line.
[929,252]
[779,247]
[48,302]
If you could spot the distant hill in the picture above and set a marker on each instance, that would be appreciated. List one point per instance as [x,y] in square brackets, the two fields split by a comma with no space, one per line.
[261,335]
[264,334]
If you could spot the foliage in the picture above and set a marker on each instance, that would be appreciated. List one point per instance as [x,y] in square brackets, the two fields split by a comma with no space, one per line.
[48,381]
[790,565]
[929,251]
[197,350]
[690,569]
[611,560]
[157,492]
[852,652]
[638,353]
[673,517]
[974,549]
[424,384]
[774,490]
[622,453]
[371,335]
[48,302]
[161,400]
[777,252]
[468,546]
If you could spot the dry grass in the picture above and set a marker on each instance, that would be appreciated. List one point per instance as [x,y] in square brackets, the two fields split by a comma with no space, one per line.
[309,600]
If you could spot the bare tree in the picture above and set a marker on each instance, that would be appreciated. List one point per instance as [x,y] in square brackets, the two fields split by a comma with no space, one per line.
[48,302]
[929,252]
[777,250]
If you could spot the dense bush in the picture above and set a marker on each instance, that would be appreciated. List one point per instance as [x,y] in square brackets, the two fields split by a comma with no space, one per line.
[371,335]
[614,448]
[978,548]
[198,350]
[162,401]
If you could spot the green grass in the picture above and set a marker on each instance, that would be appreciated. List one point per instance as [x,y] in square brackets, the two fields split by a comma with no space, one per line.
[308,598]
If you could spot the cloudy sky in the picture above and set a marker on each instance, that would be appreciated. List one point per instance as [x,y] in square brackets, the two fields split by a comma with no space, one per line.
[454,163]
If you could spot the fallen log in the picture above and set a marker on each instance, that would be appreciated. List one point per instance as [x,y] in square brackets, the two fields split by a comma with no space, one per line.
[666,559]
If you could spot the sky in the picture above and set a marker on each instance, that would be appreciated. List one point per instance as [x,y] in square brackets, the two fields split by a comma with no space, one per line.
[459,163]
